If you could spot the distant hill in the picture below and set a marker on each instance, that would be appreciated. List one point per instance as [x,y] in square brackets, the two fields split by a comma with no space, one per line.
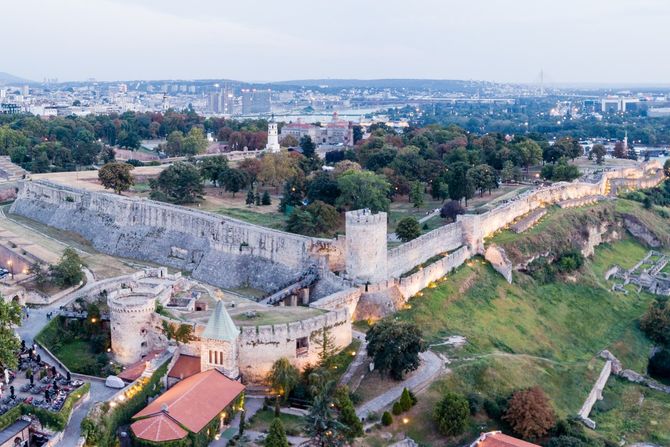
[419,84]
[6,78]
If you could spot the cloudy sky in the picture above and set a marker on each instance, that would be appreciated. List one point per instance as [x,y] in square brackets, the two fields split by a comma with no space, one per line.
[595,41]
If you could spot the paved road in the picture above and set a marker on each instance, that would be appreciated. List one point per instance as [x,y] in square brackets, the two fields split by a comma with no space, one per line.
[29,328]
[348,376]
[431,367]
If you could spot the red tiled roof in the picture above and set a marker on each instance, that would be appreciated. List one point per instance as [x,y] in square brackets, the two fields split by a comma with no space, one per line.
[197,400]
[185,366]
[158,428]
[132,372]
[497,439]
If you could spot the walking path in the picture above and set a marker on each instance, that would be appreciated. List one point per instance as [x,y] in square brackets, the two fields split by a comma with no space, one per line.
[431,367]
[29,329]
[361,355]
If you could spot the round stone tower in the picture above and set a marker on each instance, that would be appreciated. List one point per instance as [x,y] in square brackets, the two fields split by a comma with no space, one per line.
[366,246]
[130,323]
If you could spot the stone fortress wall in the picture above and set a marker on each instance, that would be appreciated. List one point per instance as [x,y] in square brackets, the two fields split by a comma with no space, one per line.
[226,252]
[175,236]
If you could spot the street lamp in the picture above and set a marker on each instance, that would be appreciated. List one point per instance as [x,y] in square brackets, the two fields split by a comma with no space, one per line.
[10,264]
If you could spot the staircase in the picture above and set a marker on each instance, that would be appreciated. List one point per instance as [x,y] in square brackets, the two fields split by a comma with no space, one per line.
[9,172]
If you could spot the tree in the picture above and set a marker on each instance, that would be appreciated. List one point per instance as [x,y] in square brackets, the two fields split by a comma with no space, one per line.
[290,141]
[294,193]
[251,167]
[233,180]
[174,144]
[211,168]
[307,145]
[561,171]
[179,183]
[283,377]
[451,209]
[326,344]
[116,176]
[180,333]
[656,321]
[439,190]
[659,364]
[194,142]
[451,414]
[620,150]
[666,167]
[323,187]
[482,178]
[416,194]
[251,198]
[345,165]
[276,168]
[387,419]
[510,173]
[321,425]
[68,272]
[10,316]
[406,401]
[529,413]
[407,229]
[599,151]
[394,347]
[347,414]
[457,180]
[266,200]
[363,189]
[40,274]
[276,435]
[527,153]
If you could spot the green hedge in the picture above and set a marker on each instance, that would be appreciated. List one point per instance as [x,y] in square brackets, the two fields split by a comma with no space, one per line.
[10,417]
[55,420]
[58,421]
[102,432]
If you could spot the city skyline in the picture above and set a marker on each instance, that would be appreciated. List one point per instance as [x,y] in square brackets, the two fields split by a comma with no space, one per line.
[615,42]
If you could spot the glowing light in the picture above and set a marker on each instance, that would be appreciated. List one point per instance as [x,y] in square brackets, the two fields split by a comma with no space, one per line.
[353,353]
[93,320]
[405,420]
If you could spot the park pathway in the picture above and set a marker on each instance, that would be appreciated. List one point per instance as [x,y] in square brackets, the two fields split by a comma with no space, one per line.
[431,367]
[361,355]
[29,329]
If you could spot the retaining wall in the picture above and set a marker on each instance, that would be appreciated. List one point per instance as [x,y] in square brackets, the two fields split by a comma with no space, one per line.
[222,251]
[405,257]
[412,284]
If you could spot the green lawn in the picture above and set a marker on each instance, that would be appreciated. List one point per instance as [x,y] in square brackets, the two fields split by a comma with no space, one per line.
[269,220]
[525,334]
[293,425]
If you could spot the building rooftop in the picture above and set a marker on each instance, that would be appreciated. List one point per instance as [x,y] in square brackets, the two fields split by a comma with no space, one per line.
[185,366]
[192,402]
[498,439]
[9,432]
[159,428]
[220,326]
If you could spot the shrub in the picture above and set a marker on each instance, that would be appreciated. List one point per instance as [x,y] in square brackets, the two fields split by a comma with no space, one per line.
[406,400]
[529,413]
[659,364]
[492,409]
[387,419]
[451,414]
[656,321]
[407,229]
[475,403]
[397,408]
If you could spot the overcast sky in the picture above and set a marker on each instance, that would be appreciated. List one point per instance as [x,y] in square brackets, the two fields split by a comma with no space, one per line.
[597,41]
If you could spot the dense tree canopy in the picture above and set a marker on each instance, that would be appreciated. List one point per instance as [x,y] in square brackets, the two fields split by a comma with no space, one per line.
[179,183]
[116,176]
[394,347]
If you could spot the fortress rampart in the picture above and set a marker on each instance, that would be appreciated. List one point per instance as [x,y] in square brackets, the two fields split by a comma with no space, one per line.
[175,236]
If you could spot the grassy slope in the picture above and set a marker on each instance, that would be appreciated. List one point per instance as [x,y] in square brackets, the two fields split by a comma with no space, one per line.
[526,333]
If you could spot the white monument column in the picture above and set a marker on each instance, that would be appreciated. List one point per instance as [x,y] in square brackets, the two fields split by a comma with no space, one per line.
[273,137]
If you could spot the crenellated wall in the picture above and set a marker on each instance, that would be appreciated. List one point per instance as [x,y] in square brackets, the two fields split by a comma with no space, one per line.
[222,251]
[261,346]
[405,257]
[414,283]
